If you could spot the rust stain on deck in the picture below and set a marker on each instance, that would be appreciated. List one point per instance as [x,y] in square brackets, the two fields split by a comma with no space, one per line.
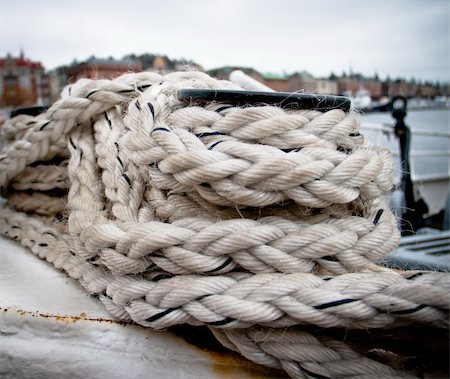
[233,366]
[62,318]
[225,365]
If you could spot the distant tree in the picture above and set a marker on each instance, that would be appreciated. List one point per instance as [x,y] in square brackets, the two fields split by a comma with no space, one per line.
[332,76]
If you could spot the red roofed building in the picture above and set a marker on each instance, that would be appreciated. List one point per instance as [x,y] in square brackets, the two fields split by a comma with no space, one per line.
[23,82]
[98,68]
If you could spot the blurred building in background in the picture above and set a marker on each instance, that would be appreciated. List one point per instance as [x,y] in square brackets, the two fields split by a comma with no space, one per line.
[110,68]
[304,81]
[92,68]
[349,84]
[99,68]
[23,82]
[224,72]
[278,82]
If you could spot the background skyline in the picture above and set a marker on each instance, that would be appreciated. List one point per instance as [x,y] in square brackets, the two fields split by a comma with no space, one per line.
[403,38]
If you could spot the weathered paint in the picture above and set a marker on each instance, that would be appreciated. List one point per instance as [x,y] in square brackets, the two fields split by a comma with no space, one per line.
[50,328]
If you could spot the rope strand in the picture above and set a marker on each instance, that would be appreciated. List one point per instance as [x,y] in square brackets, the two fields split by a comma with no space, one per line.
[246,220]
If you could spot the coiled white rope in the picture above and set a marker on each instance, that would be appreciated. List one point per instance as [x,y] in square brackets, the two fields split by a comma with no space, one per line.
[234,218]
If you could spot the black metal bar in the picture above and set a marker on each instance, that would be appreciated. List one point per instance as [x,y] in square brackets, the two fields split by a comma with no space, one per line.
[282,99]
[412,217]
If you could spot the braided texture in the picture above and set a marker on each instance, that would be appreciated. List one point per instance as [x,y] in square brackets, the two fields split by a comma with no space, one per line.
[247,220]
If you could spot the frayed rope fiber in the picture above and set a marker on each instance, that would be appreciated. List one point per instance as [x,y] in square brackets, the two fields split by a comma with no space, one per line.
[256,222]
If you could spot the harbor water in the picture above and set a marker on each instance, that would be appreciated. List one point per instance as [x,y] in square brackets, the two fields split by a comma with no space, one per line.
[430,153]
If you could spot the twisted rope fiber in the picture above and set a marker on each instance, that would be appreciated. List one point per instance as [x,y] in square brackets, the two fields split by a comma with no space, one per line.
[162,194]
[301,354]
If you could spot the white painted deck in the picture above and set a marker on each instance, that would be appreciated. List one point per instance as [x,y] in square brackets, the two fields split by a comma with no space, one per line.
[50,328]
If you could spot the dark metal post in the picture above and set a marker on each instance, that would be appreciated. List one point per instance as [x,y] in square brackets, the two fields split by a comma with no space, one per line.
[413,214]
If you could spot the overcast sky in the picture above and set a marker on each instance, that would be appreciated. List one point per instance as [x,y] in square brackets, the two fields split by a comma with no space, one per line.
[407,38]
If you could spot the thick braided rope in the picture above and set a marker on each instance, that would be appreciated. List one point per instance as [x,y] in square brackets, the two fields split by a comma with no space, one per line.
[79,102]
[230,172]
[37,203]
[302,355]
[173,193]
[15,129]
[299,353]
[118,174]
[42,178]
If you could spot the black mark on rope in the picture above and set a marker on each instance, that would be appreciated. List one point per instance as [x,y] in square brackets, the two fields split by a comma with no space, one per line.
[203,296]
[43,244]
[223,108]
[16,227]
[106,295]
[161,129]
[313,374]
[295,150]
[224,264]
[71,142]
[354,134]
[214,145]
[93,261]
[327,278]
[117,146]
[378,216]
[43,126]
[344,149]
[330,258]
[120,161]
[143,88]
[207,134]
[91,93]
[138,105]
[225,321]
[109,121]
[125,91]
[61,218]
[334,303]
[176,194]
[159,277]
[31,122]
[49,233]
[127,179]
[150,106]
[417,274]
[159,315]
[409,311]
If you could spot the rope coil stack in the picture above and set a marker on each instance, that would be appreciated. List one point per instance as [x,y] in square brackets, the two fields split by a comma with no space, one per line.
[257,222]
